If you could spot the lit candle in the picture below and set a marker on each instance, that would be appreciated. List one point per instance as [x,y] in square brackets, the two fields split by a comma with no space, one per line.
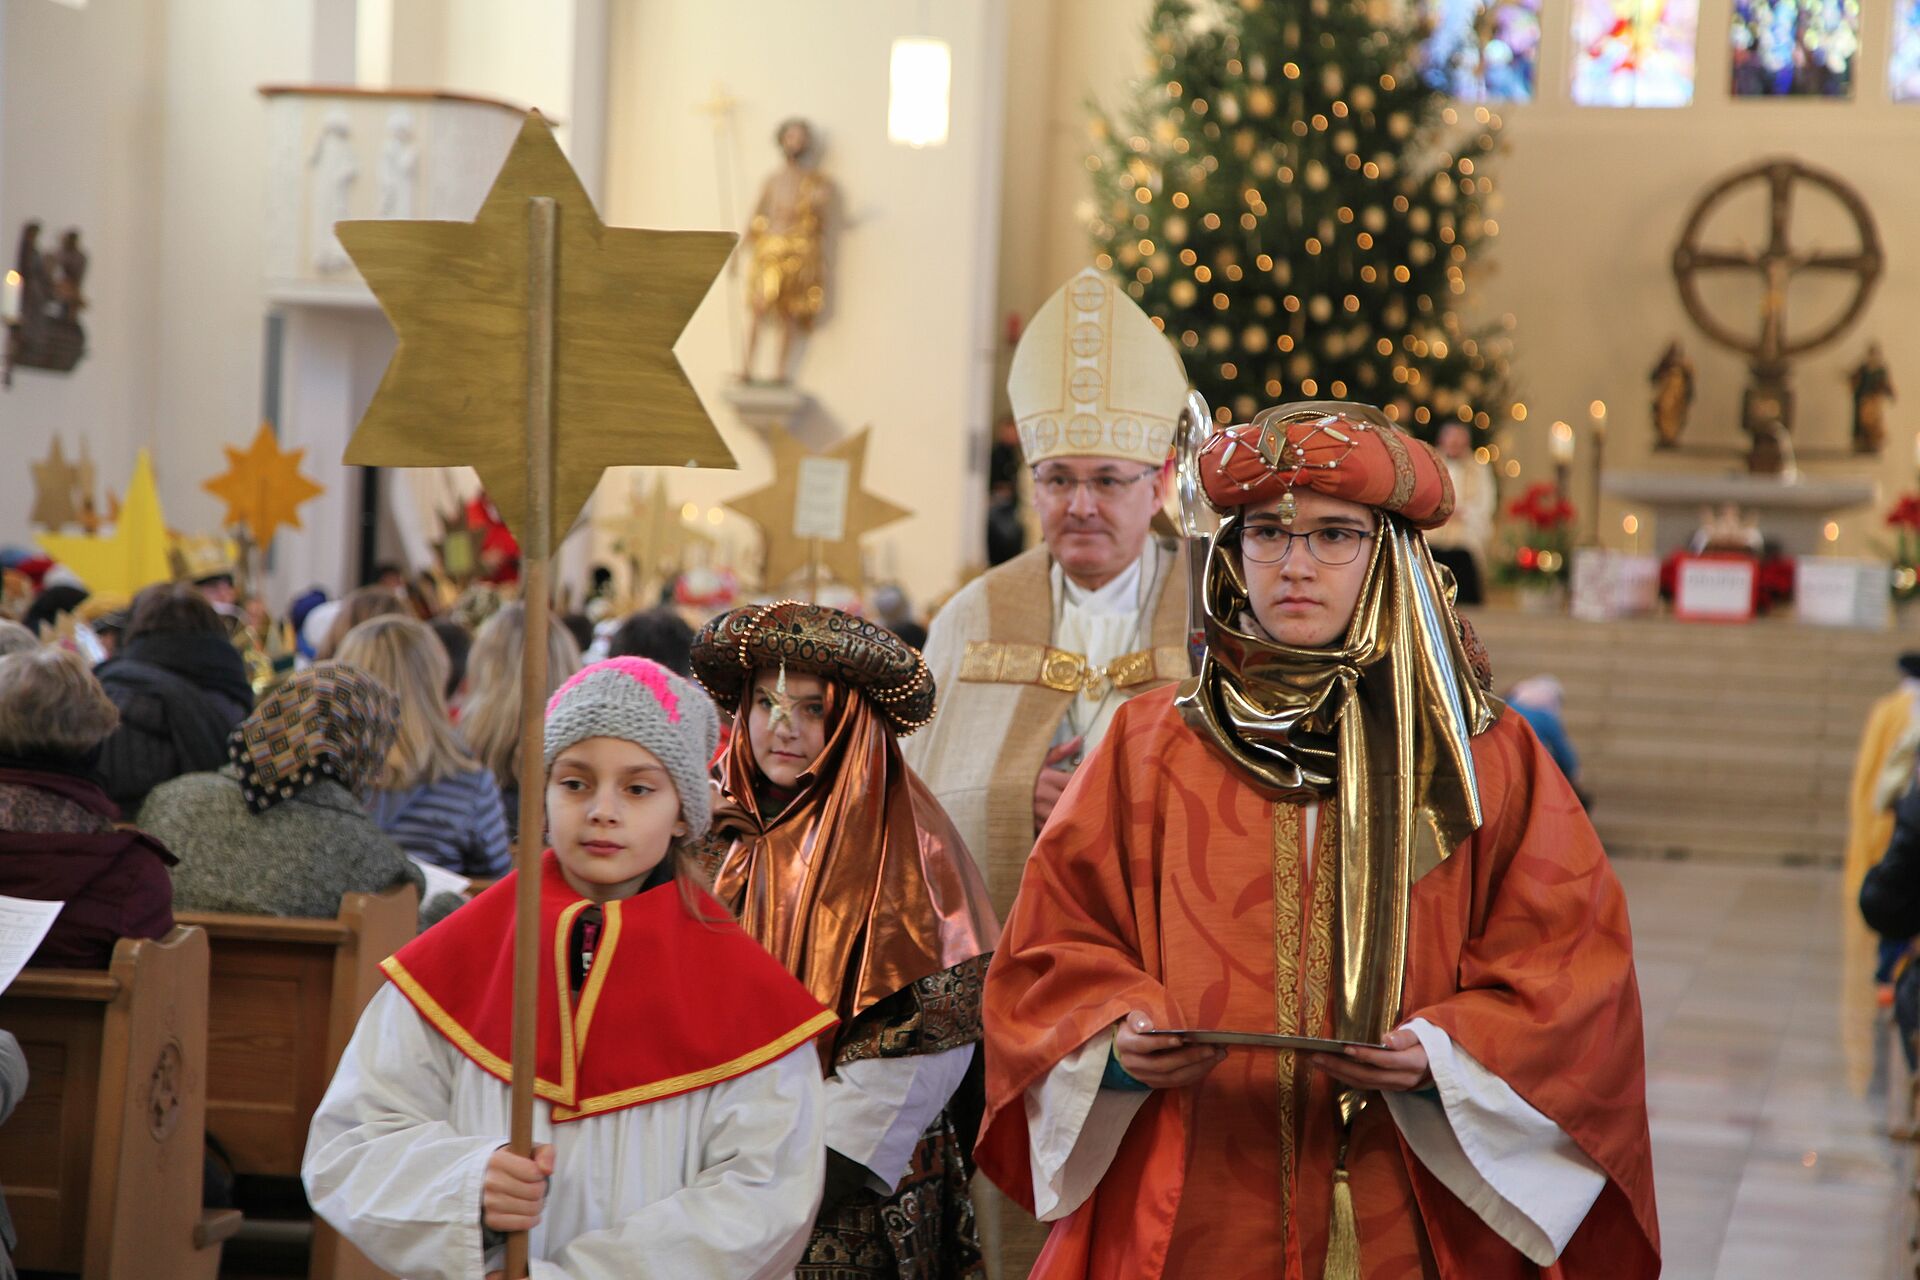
[10,299]
[1598,412]
[1561,443]
[1916,449]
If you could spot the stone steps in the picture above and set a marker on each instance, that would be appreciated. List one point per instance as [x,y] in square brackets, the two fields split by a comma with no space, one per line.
[1731,744]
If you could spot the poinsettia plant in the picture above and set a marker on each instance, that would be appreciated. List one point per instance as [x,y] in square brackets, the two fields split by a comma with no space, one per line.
[1542,532]
[1904,520]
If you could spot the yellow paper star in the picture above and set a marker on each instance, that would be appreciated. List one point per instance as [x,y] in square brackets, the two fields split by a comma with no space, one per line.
[54,483]
[263,487]
[773,508]
[133,556]
[456,293]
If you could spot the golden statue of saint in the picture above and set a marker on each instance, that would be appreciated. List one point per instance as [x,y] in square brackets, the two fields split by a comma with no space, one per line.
[787,238]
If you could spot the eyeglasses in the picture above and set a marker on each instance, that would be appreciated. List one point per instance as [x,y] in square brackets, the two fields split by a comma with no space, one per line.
[1059,486]
[1332,546]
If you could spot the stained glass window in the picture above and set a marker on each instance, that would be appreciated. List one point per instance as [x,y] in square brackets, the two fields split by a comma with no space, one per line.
[1484,50]
[1903,71]
[1800,47]
[1634,53]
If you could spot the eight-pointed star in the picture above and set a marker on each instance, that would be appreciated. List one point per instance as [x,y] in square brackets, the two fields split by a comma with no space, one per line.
[263,487]
[456,293]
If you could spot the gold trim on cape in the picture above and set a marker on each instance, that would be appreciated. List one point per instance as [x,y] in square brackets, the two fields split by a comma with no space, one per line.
[994,662]
[501,1070]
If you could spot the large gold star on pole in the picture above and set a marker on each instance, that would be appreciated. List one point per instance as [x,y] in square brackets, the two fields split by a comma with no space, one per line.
[457,294]
[775,506]
[263,487]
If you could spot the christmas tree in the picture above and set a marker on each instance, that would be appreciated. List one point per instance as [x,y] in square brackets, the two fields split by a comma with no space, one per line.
[1298,205]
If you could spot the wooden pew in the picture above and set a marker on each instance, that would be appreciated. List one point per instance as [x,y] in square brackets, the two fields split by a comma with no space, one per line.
[102,1159]
[284,998]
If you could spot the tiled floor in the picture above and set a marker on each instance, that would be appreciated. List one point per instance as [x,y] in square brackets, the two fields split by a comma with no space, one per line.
[1765,1077]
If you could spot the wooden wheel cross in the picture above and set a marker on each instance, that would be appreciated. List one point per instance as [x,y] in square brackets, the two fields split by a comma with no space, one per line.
[1767,407]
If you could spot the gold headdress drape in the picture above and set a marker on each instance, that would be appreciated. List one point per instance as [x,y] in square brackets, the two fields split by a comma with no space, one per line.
[1380,723]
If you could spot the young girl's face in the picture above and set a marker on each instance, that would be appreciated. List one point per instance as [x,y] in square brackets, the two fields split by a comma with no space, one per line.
[612,813]
[788,730]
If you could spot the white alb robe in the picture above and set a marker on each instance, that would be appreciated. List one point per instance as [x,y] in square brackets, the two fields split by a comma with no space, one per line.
[878,1109]
[723,1181]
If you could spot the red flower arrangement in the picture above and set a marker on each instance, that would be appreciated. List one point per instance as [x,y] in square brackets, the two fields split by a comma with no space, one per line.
[1543,507]
[1539,552]
[1904,519]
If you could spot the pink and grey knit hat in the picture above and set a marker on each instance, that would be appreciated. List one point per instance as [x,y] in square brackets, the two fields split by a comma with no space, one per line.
[644,703]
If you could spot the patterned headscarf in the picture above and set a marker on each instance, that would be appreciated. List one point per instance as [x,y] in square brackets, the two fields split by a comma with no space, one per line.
[331,721]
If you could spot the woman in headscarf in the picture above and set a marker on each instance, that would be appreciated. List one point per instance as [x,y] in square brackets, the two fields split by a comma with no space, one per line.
[282,830]
[839,860]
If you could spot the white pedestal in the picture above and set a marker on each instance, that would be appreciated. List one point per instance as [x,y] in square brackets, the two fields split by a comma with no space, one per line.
[1790,513]
[766,405]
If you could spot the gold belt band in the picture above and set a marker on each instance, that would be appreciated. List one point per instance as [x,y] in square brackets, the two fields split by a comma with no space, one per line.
[991,662]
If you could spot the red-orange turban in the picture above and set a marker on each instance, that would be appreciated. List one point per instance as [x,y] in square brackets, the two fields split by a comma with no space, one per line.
[1334,447]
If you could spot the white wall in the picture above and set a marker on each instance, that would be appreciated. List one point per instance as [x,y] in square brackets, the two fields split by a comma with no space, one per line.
[80,138]
[1591,203]
[908,343]
[209,331]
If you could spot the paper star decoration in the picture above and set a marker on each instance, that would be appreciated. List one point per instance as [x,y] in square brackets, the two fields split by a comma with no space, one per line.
[263,487]
[54,482]
[773,507]
[133,556]
[456,293]
[652,531]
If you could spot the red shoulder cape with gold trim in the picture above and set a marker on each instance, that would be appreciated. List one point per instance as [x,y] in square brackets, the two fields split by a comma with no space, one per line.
[671,1004]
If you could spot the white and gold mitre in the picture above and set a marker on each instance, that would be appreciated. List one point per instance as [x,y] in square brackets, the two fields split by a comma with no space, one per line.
[1093,378]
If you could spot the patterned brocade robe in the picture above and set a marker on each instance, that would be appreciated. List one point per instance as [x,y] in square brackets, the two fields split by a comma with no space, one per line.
[925,1229]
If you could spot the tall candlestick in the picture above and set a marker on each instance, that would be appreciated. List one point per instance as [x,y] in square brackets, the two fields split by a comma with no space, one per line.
[1561,443]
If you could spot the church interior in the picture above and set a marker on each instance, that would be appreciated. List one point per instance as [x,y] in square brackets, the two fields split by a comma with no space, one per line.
[1633,269]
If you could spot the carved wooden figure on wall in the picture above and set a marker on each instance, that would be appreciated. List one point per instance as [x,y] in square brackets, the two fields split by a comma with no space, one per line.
[40,304]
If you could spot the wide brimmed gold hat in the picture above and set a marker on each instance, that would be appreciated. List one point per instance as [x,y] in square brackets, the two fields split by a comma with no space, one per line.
[817,640]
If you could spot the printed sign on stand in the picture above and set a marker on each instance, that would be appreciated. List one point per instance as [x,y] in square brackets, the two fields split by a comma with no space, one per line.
[1715,588]
[820,505]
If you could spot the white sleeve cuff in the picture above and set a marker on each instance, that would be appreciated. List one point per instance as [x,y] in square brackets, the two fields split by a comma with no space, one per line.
[1514,1167]
[878,1108]
[1074,1127]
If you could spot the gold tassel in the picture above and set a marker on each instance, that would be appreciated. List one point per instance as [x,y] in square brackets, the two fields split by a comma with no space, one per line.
[1343,1236]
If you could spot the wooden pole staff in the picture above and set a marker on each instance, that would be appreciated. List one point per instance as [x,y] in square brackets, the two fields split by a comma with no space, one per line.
[542,235]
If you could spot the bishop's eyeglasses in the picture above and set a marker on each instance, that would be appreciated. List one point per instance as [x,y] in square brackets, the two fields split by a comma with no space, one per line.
[1332,546]
[1059,484]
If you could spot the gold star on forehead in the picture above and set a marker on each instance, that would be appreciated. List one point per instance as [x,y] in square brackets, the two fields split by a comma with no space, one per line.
[456,293]
[263,487]
[772,507]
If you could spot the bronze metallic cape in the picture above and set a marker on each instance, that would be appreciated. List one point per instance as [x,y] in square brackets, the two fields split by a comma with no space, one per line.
[860,886]
[1380,724]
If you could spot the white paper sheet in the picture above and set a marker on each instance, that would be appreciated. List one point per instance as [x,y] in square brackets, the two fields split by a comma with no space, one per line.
[441,880]
[23,923]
